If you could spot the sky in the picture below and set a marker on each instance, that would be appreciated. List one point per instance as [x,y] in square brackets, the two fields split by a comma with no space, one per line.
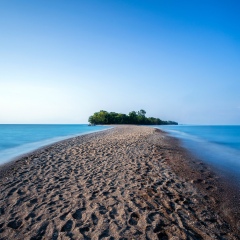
[61,61]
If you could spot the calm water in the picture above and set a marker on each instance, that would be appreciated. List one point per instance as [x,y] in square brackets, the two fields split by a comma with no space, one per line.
[218,145]
[17,139]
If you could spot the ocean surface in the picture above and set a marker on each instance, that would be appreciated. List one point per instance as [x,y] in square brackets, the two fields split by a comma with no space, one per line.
[217,145]
[18,139]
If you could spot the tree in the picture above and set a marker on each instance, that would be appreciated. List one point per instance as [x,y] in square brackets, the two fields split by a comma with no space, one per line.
[133,117]
[141,117]
[104,117]
[91,120]
[142,113]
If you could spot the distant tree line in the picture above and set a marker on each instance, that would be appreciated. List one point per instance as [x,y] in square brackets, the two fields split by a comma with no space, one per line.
[104,117]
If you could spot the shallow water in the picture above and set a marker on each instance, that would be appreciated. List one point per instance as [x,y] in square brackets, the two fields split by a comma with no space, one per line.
[18,139]
[218,145]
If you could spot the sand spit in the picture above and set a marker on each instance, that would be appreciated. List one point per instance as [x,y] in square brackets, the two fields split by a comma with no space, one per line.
[116,184]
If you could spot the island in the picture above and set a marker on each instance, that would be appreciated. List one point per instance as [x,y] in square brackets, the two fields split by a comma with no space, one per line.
[139,118]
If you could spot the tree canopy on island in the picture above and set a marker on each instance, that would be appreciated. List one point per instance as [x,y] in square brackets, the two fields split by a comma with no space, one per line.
[104,117]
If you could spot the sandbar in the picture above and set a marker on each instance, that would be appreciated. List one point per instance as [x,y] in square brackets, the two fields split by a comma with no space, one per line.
[128,182]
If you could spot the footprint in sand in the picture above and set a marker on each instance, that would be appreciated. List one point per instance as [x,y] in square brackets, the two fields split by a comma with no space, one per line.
[84,230]
[15,224]
[162,236]
[112,213]
[67,226]
[153,217]
[159,227]
[133,219]
[94,219]
[41,231]
[63,217]
[78,214]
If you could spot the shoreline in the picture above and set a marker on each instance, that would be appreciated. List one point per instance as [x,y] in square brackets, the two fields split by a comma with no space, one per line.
[13,160]
[218,187]
[129,181]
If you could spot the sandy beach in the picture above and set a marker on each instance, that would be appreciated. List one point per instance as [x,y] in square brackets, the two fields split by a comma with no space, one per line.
[129,182]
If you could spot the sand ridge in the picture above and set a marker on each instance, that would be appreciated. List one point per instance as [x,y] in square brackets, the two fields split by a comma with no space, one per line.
[115,184]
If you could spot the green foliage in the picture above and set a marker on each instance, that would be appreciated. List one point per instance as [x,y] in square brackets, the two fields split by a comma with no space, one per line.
[104,117]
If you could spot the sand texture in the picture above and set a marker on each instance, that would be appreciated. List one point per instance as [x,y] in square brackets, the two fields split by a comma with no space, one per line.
[116,184]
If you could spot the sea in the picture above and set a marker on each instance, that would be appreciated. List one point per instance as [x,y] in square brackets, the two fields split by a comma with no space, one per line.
[216,145]
[19,139]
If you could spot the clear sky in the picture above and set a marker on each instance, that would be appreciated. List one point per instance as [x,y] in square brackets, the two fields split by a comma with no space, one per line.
[61,61]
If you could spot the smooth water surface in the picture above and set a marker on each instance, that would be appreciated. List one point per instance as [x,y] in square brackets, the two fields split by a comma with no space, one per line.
[18,139]
[218,145]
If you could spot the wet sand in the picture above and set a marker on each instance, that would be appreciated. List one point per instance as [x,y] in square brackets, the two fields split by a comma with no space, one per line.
[129,182]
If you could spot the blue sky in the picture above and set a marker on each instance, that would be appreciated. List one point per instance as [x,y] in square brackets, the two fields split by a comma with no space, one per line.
[63,60]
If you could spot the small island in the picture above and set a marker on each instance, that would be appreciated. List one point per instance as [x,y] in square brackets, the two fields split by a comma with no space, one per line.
[104,117]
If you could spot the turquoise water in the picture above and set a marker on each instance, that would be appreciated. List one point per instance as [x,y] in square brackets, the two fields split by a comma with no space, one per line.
[218,145]
[18,139]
